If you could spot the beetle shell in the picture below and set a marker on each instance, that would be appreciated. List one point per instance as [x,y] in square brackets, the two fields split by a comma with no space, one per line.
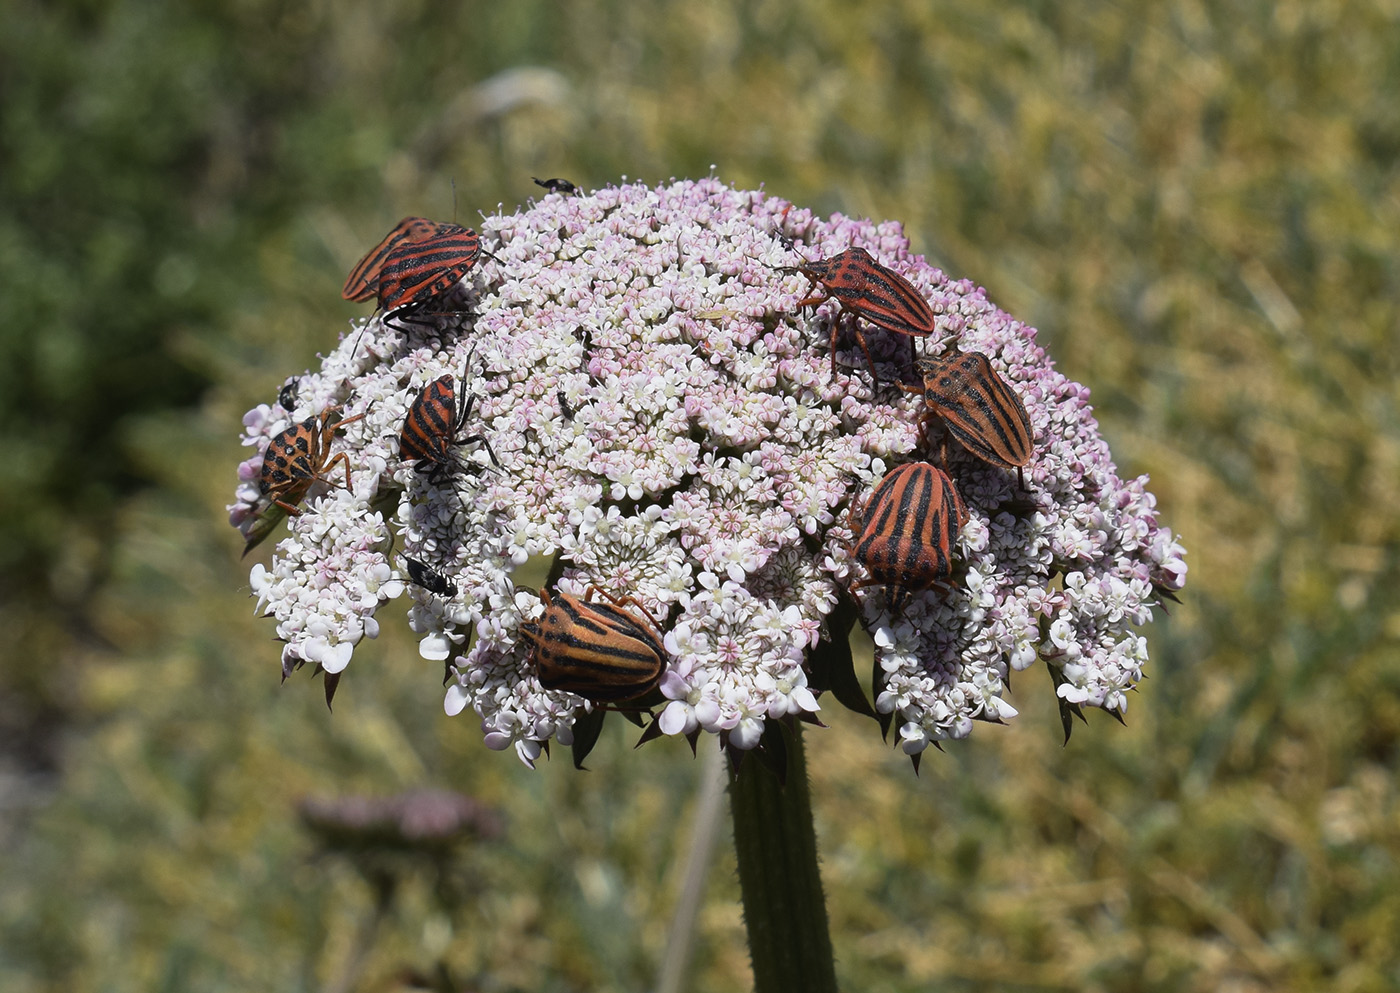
[430,424]
[904,534]
[867,289]
[287,463]
[979,407]
[433,426]
[363,281]
[597,650]
[299,456]
[416,271]
[873,291]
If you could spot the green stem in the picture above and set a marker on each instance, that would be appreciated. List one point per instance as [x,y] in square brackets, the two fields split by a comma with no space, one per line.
[784,909]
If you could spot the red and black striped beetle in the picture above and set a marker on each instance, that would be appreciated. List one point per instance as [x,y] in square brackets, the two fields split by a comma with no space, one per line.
[300,456]
[433,427]
[363,281]
[596,649]
[979,407]
[904,532]
[415,272]
[867,289]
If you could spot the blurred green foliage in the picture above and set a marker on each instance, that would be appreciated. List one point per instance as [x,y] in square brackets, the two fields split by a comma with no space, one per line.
[1197,203]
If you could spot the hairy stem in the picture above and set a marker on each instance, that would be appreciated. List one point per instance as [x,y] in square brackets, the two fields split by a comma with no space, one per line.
[784,909]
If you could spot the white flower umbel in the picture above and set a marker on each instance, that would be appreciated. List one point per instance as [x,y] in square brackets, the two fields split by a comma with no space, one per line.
[668,429]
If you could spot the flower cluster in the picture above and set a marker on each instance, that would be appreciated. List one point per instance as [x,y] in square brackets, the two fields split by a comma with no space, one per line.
[668,428]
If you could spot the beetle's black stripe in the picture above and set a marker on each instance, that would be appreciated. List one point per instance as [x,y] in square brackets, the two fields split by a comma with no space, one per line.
[446,236]
[943,530]
[603,657]
[885,522]
[919,520]
[1013,422]
[955,514]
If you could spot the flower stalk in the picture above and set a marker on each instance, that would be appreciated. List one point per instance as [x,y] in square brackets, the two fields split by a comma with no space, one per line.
[776,845]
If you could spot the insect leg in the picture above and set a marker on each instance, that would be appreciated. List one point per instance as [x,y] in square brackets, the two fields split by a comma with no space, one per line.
[289,508]
[330,467]
[860,337]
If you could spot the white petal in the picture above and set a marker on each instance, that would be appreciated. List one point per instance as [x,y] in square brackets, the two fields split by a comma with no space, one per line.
[677,718]
[337,657]
[456,701]
[435,646]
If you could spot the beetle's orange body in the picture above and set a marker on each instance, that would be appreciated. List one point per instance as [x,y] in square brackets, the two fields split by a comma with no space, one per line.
[596,649]
[905,531]
[300,456]
[867,289]
[980,408]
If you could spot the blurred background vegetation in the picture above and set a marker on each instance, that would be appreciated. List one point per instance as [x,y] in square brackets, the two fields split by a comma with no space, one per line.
[1197,203]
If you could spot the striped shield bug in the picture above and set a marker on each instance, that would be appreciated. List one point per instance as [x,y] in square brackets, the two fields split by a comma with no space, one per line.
[433,582]
[433,427]
[867,289]
[414,272]
[596,649]
[978,406]
[300,456]
[363,281]
[905,531]
[556,185]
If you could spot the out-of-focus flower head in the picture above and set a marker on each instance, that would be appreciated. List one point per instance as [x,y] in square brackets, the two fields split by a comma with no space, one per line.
[668,429]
